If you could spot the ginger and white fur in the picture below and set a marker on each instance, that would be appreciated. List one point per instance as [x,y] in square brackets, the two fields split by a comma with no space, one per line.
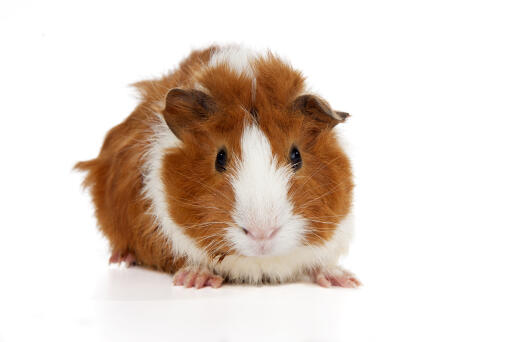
[261,188]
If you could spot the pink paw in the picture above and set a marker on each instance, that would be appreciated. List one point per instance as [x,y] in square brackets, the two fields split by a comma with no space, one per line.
[336,276]
[128,258]
[197,277]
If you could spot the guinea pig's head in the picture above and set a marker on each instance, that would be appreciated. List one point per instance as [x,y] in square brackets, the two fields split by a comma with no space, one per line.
[259,170]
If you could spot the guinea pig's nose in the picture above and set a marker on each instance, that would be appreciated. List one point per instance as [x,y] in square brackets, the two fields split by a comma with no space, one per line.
[261,233]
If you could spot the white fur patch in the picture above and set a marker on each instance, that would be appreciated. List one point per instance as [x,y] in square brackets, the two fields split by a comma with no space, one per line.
[237,58]
[290,266]
[261,202]
[154,189]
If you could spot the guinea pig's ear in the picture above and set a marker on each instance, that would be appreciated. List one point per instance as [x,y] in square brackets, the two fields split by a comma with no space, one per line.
[319,110]
[183,108]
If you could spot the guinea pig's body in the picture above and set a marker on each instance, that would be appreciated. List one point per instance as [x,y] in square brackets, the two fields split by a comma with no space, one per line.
[227,169]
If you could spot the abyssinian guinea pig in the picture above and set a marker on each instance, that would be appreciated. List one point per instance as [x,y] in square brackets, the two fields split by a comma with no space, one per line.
[228,170]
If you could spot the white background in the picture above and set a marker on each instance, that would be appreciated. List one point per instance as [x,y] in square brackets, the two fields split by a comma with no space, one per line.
[428,85]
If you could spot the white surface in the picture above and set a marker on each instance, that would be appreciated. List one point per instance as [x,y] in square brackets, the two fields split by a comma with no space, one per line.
[428,86]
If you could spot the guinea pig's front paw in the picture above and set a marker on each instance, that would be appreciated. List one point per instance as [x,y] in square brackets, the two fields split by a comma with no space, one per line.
[335,276]
[197,277]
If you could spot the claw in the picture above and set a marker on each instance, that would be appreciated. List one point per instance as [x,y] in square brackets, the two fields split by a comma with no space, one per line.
[128,258]
[336,276]
[197,277]
[115,258]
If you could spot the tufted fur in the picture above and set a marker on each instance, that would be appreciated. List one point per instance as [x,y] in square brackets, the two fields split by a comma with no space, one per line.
[159,196]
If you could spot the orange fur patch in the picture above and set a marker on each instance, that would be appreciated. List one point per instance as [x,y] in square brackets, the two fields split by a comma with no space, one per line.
[201,199]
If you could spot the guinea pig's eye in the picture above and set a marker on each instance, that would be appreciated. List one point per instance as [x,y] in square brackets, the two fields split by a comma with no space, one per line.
[296,158]
[221,160]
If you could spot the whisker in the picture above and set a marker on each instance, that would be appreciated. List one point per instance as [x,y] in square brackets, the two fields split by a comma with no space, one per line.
[323,195]
[198,205]
[314,173]
[326,222]
[316,235]
[205,186]
[198,225]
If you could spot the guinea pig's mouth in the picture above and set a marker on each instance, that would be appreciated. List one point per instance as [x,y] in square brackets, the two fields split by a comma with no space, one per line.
[254,242]
[261,249]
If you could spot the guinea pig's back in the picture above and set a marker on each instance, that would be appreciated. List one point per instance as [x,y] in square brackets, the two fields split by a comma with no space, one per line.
[115,181]
[116,177]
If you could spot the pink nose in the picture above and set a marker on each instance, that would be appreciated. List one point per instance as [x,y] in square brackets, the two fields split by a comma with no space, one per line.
[261,234]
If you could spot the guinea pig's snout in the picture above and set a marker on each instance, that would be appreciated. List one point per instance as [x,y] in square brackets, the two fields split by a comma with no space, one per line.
[258,233]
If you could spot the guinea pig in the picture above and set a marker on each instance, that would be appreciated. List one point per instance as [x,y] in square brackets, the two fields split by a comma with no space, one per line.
[229,170]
